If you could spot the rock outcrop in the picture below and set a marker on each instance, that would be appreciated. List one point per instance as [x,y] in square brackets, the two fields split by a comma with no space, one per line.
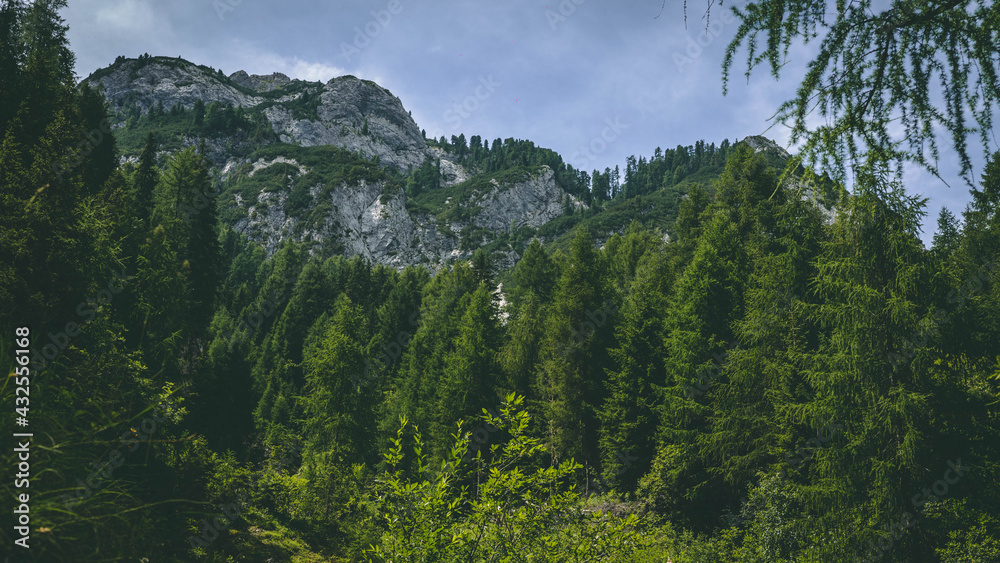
[347,112]
[342,213]
[365,221]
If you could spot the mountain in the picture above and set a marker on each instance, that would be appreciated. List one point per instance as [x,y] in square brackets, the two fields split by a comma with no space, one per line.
[343,167]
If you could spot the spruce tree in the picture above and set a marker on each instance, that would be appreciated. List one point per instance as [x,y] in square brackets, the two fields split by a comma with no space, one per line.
[535,272]
[415,393]
[12,53]
[628,415]
[471,371]
[571,376]
[707,299]
[188,206]
[870,372]
[340,418]
[147,175]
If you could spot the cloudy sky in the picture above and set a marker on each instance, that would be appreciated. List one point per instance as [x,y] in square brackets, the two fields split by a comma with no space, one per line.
[563,74]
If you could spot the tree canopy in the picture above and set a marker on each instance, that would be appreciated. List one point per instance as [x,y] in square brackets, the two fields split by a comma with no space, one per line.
[887,79]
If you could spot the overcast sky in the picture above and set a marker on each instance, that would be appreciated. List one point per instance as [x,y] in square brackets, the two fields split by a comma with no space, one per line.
[562,75]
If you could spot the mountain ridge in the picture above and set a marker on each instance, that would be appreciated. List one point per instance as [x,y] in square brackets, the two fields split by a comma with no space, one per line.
[383,203]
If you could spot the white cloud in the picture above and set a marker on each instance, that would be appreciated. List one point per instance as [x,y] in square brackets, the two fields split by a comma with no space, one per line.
[314,72]
[255,61]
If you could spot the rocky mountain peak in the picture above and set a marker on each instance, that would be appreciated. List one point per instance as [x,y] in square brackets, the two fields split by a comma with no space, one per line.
[258,82]
[347,112]
[759,143]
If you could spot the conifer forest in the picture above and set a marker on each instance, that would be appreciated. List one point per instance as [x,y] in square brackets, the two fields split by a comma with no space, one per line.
[722,351]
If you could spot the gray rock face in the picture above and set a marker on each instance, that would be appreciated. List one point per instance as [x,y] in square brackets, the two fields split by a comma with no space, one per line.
[759,143]
[258,82]
[364,219]
[169,81]
[382,230]
[344,105]
[530,203]
[451,172]
[348,108]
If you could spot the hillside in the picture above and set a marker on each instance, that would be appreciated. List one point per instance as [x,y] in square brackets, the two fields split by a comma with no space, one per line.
[261,319]
[342,168]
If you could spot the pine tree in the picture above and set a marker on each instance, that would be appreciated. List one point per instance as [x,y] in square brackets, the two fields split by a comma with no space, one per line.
[536,273]
[866,374]
[471,371]
[629,414]
[415,393]
[573,357]
[760,385]
[482,267]
[340,417]
[707,299]
[520,353]
[199,113]
[161,293]
[188,206]
[48,60]
[144,182]
[946,238]
[103,154]
[12,54]
[13,196]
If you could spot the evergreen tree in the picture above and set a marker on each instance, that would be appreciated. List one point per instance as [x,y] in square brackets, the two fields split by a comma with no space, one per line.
[415,393]
[535,273]
[471,371]
[573,357]
[629,413]
[103,154]
[707,300]
[340,418]
[144,182]
[876,63]
[519,356]
[199,113]
[861,378]
[48,64]
[188,206]
[946,239]
[482,267]
[12,54]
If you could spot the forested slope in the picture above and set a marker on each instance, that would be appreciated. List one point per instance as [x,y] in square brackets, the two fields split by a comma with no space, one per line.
[770,385]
